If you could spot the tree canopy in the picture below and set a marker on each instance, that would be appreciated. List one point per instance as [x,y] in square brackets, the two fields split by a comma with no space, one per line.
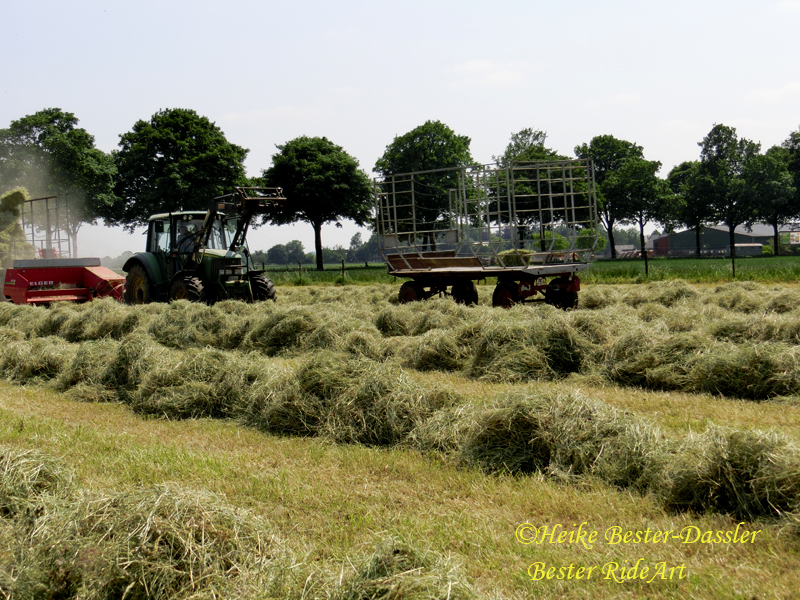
[322,184]
[526,145]
[608,154]
[178,160]
[640,196]
[723,160]
[48,154]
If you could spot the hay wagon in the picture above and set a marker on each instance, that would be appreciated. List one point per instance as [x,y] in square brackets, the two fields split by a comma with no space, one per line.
[532,226]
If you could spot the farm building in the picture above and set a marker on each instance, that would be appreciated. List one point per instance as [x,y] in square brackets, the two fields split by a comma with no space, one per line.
[715,240]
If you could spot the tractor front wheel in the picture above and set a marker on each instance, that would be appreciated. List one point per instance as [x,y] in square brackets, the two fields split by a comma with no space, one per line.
[139,288]
[187,288]
[262,288]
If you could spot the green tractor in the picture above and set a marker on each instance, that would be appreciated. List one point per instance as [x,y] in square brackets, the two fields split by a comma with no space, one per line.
[202,256]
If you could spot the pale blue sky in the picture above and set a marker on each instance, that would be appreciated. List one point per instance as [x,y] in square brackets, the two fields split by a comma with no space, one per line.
[656,73]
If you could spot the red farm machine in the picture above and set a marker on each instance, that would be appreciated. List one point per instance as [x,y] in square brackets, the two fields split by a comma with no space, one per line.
[532,226]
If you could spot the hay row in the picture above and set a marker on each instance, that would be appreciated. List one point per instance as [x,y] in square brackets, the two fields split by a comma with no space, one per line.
[168,542]
[668,337]
[357,400]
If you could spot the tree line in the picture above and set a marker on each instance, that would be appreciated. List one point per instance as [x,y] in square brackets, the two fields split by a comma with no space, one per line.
[179,160]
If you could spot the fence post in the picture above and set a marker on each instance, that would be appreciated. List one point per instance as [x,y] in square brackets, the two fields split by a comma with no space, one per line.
[342,270]
[300,272]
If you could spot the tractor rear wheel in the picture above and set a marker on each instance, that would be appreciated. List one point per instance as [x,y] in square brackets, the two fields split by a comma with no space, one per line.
[139,287]
[410,291]
[187,288]
[505,294]
[465,292]
[262,287]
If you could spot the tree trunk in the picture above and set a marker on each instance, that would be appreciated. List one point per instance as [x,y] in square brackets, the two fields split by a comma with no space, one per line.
[697,234]
[732,238]
[643,246]
[611,243]
[318,244]
[776,244]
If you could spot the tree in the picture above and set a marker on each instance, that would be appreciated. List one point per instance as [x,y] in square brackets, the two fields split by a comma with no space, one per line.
[429,147]
[608,154]
[723,159]
[526,145]
[178,160]
[322,184]
[695,210]
[640,196]
[792,147]
[277,255]
[49,155]
[770,187]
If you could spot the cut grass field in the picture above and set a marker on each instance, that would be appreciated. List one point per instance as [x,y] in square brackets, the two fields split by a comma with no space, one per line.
[347,430]
[331,505]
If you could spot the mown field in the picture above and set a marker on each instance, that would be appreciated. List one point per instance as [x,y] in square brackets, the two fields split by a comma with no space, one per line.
[337,445]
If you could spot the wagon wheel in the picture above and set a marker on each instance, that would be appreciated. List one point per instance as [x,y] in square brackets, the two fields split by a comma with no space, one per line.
[187,288]
[505,294]
[556,295]
[138,286]
[465,292]
[410,291]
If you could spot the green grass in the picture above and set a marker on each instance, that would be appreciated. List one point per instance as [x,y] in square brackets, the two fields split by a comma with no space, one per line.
[766,269]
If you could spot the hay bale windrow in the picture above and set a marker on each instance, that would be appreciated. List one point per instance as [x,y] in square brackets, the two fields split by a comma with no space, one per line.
[282,331]
[36,361]
[381,407]
[748,474]
[161,542]
[185,324]
[396,570]
[751,371]
[565,434]
[652,358]
[26,478]
[90,365]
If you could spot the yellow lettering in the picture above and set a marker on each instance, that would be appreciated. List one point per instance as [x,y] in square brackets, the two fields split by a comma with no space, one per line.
[524,532]
[753,539]
[538,571]
[579,572]
[660,571]
[613,535]
[688,533]
[610,569]
[706,539]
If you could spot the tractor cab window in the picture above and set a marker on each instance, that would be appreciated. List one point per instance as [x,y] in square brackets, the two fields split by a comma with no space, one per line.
[159,236]
[188,233]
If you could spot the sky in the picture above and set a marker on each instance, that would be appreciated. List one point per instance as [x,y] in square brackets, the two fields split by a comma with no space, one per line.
[659,74]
